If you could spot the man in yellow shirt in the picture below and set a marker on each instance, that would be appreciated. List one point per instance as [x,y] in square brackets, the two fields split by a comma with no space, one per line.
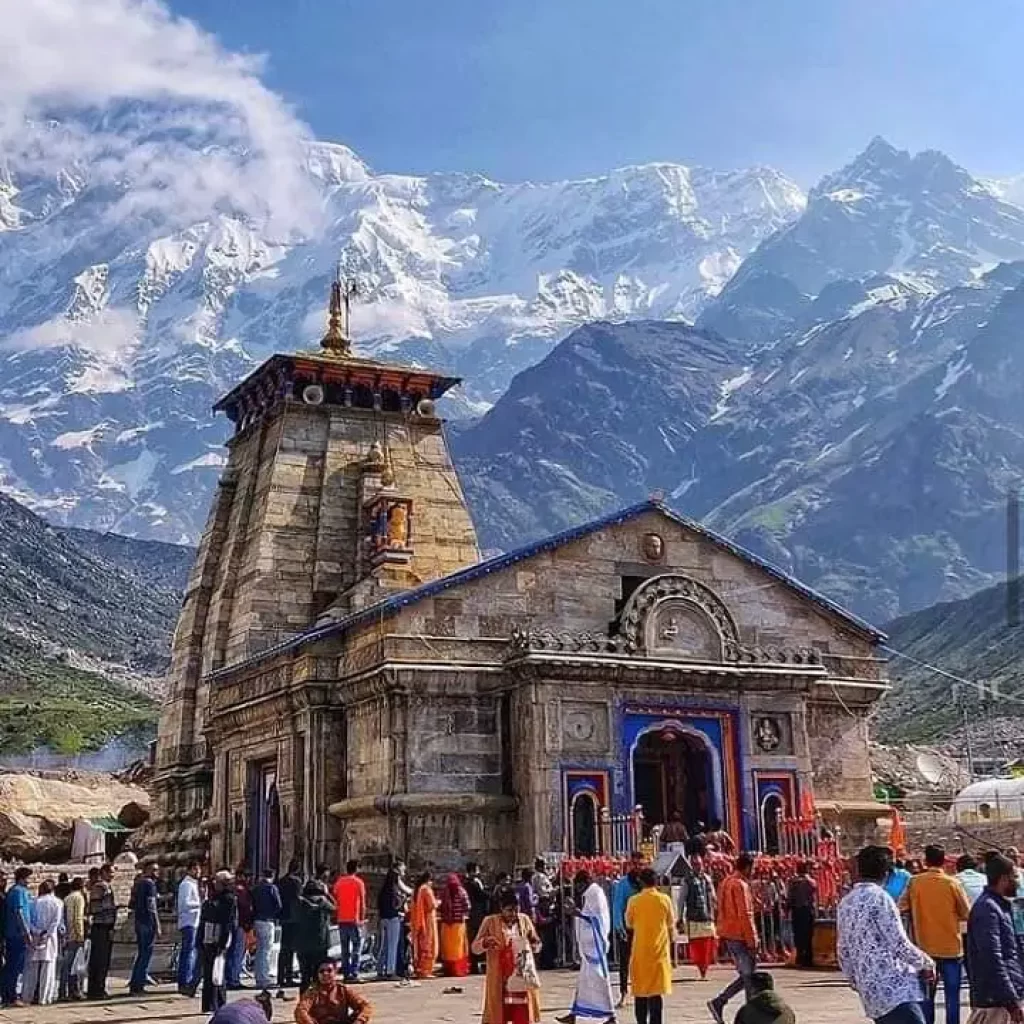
[651,919]
[937,905]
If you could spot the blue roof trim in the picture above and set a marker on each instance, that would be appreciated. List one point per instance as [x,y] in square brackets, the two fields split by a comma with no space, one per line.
[391,605]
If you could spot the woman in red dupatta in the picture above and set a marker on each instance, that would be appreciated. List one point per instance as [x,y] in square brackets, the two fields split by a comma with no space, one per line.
[454,941]
[495,939]
[423,927]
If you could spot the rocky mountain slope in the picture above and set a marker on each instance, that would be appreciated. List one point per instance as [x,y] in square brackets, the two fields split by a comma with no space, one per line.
[121,323]
[85,625]
[973,639]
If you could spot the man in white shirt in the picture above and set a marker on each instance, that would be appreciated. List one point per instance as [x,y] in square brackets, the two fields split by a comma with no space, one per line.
[40,983]
[884,967]
[188,903]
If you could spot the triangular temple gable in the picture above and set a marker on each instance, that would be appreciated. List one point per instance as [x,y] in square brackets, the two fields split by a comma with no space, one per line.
[583,585]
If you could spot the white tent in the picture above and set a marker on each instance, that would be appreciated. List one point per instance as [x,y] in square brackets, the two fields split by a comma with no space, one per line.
[988,800]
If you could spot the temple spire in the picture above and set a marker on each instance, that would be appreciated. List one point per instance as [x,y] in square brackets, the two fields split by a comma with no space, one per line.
[338,340]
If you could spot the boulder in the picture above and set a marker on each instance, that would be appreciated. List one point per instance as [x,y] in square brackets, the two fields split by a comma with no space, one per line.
[38,812]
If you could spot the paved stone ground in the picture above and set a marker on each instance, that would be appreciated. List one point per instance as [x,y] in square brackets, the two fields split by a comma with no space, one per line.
[817,998]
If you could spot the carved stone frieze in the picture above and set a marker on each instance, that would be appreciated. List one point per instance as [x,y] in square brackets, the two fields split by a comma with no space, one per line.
[523,640]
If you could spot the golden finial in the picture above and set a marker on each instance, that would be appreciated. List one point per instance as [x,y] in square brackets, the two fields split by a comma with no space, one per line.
[337,340]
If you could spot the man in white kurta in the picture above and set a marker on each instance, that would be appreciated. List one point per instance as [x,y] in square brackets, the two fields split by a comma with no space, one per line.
[593,999]
[41,973]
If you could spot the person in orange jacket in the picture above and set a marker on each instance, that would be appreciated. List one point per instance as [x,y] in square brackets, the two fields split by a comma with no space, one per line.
[735,924]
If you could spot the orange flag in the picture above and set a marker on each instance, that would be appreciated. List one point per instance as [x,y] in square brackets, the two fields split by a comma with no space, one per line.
[807,808]
[898,835]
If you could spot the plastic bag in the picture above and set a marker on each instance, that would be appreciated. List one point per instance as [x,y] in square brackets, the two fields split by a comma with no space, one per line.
[81,962]
[524,977]
[217,971]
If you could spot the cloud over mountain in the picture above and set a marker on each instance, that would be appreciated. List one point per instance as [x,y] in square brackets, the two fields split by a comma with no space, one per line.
[151,107]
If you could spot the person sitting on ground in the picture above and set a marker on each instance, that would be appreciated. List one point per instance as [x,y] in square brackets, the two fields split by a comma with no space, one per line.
[329,1001]
[246,1011]
[765,1005]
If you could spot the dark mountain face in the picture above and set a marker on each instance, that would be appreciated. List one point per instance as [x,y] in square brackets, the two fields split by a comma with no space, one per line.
[870,455]
[612,411]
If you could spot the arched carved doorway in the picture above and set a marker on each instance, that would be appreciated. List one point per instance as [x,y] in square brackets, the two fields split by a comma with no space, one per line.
[583,818]
[771,813]
[673,774]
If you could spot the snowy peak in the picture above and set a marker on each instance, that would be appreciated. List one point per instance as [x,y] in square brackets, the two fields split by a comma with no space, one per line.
[920,218]
[122,318]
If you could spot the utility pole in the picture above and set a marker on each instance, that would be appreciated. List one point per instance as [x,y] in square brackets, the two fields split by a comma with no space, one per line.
[965,725]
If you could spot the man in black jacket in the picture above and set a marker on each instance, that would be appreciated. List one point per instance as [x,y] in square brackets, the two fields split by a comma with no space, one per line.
[994,949]
[290,890]
[479,906]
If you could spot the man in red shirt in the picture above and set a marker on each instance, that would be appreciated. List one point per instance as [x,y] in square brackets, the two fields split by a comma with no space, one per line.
[350,900]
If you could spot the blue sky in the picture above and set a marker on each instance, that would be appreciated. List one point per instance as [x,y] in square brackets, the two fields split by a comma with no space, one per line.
[555,88]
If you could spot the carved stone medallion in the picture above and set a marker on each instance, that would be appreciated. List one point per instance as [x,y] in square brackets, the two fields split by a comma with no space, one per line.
[578,725]
[585,726]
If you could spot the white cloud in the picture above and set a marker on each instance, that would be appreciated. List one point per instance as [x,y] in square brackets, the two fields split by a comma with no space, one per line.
[146,99]
[107,335]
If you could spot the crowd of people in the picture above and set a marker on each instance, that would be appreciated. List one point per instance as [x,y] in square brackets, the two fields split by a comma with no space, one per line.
[58,939]
[905,930]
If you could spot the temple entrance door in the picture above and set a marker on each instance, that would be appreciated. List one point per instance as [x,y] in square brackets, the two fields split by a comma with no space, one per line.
[771,812]
[266,820]
[584,825]
[672,774]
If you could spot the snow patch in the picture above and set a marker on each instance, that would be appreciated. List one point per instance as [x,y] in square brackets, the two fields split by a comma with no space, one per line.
[134,475]
[955,369]
[215,459]
[79,438]
[727,388]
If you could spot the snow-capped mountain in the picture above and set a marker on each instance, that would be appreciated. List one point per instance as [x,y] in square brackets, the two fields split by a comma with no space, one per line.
[119,328]
[920,219]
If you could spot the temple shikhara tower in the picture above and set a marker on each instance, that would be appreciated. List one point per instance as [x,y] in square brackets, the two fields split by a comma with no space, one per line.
[349,679]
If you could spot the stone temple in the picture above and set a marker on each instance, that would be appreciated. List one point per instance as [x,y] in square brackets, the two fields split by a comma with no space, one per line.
[350,679]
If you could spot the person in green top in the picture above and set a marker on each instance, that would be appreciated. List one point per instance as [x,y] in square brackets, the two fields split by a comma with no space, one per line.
[765,1005]
[314,914]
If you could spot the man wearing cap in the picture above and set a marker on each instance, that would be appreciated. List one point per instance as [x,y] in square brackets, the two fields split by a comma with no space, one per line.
[329,1001]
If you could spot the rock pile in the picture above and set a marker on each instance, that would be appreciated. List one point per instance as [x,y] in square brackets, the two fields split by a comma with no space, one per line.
[38,810]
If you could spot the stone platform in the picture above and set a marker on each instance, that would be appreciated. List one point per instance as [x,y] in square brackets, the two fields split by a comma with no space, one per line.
[817,998]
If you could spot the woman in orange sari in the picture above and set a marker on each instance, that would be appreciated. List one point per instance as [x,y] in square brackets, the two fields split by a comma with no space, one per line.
[454,940]
[423,927]
[499,937]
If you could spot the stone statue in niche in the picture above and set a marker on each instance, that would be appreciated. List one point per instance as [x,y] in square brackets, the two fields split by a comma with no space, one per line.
[768,734]
[398,526]
[679,629]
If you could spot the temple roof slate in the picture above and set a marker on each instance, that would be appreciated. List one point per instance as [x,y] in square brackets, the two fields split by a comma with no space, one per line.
[397,602]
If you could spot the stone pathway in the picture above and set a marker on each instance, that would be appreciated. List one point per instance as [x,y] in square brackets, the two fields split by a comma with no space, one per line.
[817,998]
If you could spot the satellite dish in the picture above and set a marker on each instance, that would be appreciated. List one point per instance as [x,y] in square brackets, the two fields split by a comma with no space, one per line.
[313,394]
[425,407]
[930,768]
